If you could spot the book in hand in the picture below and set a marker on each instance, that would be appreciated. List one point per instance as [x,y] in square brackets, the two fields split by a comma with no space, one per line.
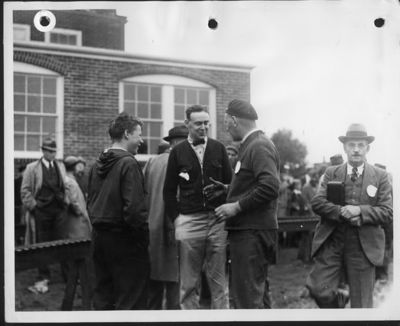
[335,192]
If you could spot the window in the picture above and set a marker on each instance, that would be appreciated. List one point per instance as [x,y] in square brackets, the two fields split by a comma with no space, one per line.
[37,109]
[21,32]
[64,36]
[160,101]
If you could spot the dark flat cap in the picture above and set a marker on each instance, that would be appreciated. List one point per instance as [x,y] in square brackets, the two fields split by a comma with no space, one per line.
[49,144]
[71,161]
[242,109]
[180,131]
[336,159]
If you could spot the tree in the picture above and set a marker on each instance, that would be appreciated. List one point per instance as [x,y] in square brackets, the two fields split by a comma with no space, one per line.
[291,151]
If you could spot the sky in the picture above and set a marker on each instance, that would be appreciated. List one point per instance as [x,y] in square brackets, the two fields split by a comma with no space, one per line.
[318,65]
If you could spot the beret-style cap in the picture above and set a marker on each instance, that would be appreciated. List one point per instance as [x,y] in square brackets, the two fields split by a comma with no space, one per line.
[242,109]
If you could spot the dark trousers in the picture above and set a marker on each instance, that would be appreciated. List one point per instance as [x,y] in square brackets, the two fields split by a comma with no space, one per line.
[251,251]
[122,268]
[45,223]
[342,251]
[156,295]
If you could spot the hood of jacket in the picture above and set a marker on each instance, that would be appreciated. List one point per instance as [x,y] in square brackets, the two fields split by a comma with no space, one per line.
[108,159]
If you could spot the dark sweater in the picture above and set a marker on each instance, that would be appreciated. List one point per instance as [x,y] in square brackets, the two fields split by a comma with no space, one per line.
[183,159]
[116,193]
[255,185]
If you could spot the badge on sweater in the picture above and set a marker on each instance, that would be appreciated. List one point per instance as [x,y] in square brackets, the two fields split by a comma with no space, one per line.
[184,175]
[237,167]
[371,190]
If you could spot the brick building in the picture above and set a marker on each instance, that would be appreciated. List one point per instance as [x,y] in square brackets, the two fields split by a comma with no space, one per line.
[71,81]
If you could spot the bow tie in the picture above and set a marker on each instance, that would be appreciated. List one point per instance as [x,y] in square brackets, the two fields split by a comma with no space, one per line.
[199,142]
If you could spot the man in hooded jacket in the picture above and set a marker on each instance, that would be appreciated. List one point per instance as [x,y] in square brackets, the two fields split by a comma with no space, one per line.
[117,209]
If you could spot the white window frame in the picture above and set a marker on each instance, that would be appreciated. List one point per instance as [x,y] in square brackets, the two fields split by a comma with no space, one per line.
[24,27]
[59,136]
[168,83]
[65,31]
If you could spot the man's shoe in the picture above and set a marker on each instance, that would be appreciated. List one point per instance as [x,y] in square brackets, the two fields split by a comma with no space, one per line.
[343,297]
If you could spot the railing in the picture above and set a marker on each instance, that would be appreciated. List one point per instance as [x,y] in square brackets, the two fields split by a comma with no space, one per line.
[76,252]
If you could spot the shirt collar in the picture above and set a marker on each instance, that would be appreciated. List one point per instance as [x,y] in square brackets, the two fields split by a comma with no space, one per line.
[46,162]
[249,133]
[360,169]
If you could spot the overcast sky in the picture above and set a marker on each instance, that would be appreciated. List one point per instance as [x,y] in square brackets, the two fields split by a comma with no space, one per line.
[319,65]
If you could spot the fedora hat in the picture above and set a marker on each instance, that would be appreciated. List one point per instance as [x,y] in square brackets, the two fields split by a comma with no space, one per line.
[356,131]
[49,144]
[180,131]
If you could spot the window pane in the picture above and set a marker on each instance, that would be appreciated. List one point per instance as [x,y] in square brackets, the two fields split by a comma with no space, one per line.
[143,93]
[72,40]
[49,125]
[49,104]
[156,94]
[154,146]
[143,111]
[156,111]
[33,124]
[33,103]
[19,142]
[19,103]
[155,129]
[53,38]
[191,96]
[19,123]
[129,92]
[179,95]
[129,107]
[203,98]
[33,142]
[49,86]
[19,83]
[62,38]
[179,112]
[34,85]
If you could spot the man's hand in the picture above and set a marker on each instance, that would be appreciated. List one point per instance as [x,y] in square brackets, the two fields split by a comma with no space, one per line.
[355,221]
[215,190]
[226,211]
[351,214]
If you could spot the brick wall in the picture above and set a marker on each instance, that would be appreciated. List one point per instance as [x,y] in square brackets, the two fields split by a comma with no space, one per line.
[91,91]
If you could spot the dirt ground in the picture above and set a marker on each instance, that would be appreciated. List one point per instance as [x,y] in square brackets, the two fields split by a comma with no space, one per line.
[287,279]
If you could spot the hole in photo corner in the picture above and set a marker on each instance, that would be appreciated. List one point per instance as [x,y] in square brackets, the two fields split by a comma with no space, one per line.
[212,23]
[379,22]
[44,21]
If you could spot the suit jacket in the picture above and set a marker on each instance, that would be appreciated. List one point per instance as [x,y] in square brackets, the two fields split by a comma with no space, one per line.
[255,184]
[376,210]
[31,183]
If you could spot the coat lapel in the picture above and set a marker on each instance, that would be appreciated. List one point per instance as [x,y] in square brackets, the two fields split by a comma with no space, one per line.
[369,178]
[340,173]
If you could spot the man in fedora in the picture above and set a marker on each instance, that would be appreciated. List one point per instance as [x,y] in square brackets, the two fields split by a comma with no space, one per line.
[350,236]
[251,208]
[43,195]
[164,268]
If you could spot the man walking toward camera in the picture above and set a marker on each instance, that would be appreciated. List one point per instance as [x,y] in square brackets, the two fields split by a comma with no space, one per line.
[117,209]
[350,236]
[251,209]
[202,240]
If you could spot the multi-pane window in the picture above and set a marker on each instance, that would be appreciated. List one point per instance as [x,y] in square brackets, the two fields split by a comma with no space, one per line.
[35,110]
[185,97]
[160,102]
[21,32]
[144,102]
[64,36]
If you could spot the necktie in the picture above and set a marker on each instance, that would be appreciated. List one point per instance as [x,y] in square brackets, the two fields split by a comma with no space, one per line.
[354,174]
[198,142]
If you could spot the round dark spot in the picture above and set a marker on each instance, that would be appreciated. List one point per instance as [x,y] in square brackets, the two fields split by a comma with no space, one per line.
[379,22]
[212,23]
[44,21]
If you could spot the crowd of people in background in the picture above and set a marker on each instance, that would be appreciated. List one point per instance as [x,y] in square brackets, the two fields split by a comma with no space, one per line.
[198,215]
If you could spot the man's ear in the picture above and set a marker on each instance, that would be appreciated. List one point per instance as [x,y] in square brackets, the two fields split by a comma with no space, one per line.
[126,134]
[186,122]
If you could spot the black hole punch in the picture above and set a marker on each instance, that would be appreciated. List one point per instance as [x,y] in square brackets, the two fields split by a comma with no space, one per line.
[379,22]
[212,23]
[44,21]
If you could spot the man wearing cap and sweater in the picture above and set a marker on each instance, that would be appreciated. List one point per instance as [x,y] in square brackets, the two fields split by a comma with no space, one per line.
[251,208]
[43,195]
[349,236]
[192,164]
[164,268]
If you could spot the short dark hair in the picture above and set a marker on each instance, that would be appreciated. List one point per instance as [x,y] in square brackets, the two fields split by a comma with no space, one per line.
[195,108]
[122,122]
